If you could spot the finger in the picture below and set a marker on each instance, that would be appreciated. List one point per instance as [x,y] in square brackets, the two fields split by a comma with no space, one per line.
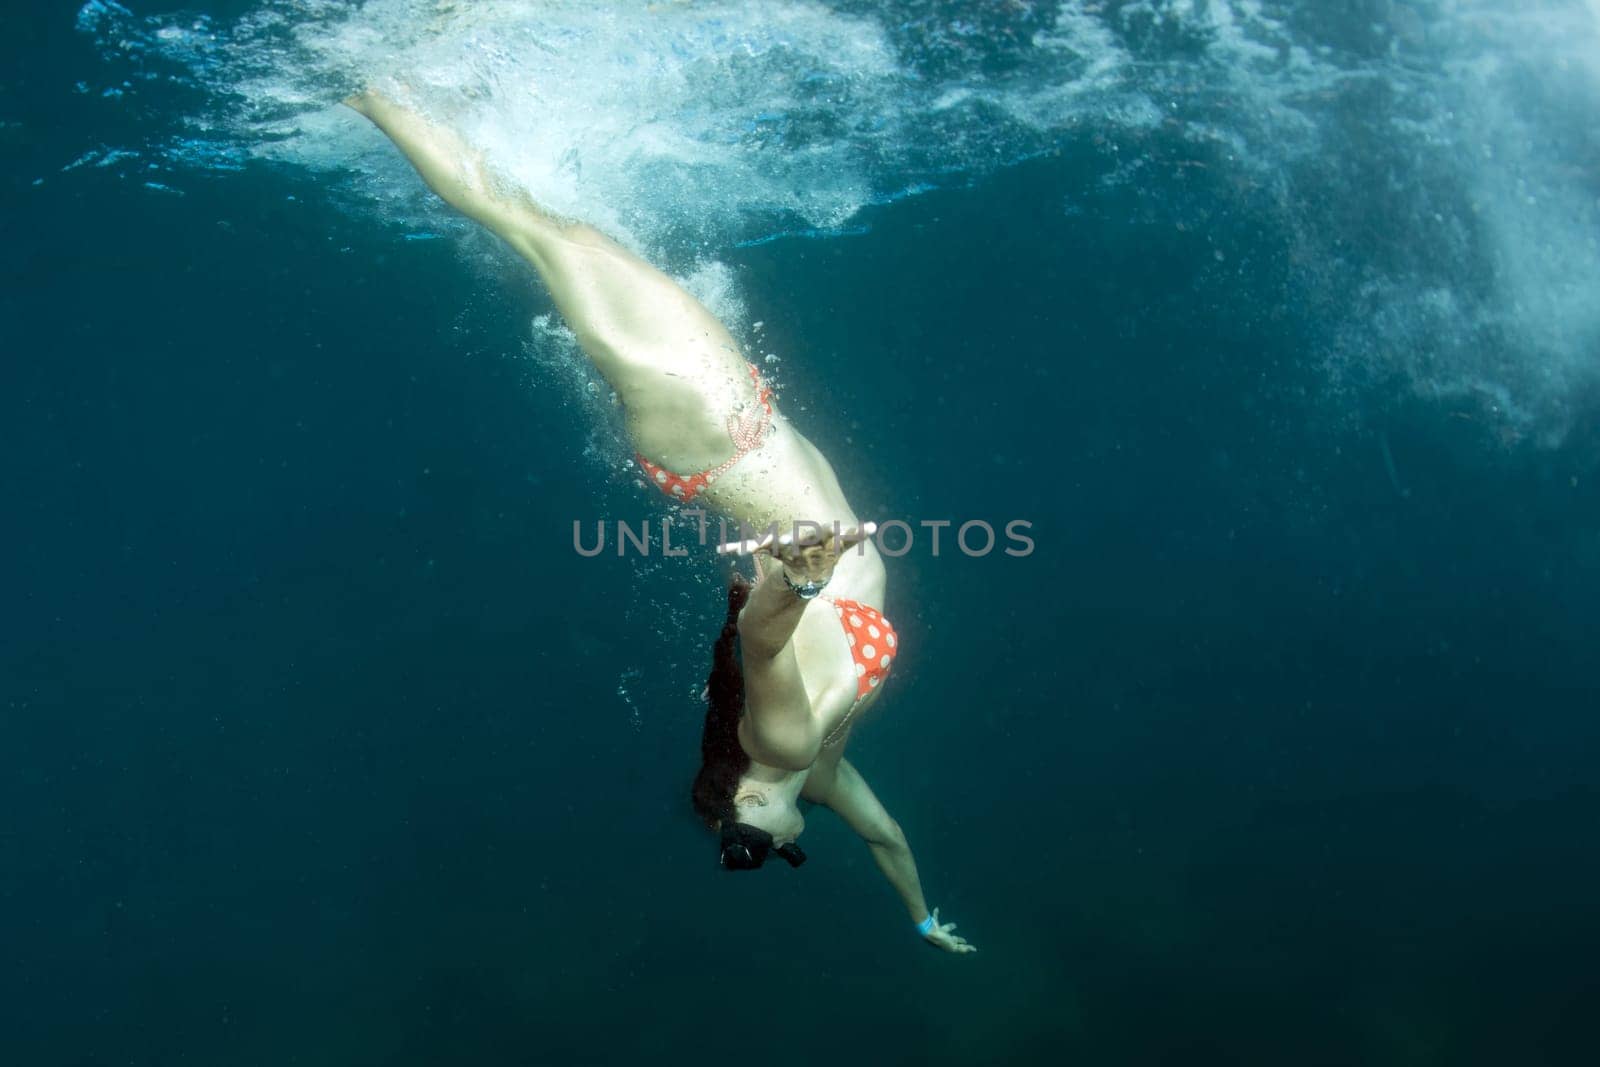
[840,538]
[833,536]
[745,548]
[854,535]
[788,548]
[797,559]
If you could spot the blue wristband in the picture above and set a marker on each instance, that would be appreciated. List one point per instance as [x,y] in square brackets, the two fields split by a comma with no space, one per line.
[925,927]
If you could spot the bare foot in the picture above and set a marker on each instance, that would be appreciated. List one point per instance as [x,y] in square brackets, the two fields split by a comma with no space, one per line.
[361,102]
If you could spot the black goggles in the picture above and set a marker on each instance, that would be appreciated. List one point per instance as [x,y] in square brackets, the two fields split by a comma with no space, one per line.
[745,847]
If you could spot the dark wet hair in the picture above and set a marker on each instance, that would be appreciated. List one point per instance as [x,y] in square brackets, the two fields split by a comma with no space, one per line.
[722,759]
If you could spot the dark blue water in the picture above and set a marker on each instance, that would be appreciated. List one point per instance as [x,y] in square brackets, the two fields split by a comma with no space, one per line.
[313,746]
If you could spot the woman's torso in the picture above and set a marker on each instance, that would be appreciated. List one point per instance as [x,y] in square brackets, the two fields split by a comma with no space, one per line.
[788,481]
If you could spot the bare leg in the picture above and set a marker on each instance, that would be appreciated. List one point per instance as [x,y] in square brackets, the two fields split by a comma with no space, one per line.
[677,369]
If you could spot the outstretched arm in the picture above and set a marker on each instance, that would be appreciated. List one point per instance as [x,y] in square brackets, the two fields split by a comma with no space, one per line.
[856,804]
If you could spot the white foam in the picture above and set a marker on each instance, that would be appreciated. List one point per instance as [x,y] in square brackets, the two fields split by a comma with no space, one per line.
[1505,117]
[684,128]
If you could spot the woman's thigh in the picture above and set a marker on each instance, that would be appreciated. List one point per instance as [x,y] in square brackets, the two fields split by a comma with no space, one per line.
[676,367]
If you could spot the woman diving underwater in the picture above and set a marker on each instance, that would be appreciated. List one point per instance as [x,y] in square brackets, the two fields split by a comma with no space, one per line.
[813,646]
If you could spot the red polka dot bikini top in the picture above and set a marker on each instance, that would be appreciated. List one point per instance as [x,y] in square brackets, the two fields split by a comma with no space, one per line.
[871,639]
[873,645]
[748,427]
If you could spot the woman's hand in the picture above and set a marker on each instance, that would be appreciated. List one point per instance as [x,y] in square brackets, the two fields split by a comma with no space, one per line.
[943,936]
[812,555]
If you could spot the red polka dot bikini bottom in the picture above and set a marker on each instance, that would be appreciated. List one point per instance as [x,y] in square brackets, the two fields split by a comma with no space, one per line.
[747,428]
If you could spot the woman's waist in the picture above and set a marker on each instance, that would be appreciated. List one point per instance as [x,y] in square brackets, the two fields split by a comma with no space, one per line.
[786,484]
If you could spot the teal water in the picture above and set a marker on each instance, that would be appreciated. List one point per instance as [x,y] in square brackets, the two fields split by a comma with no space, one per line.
[1275,320]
